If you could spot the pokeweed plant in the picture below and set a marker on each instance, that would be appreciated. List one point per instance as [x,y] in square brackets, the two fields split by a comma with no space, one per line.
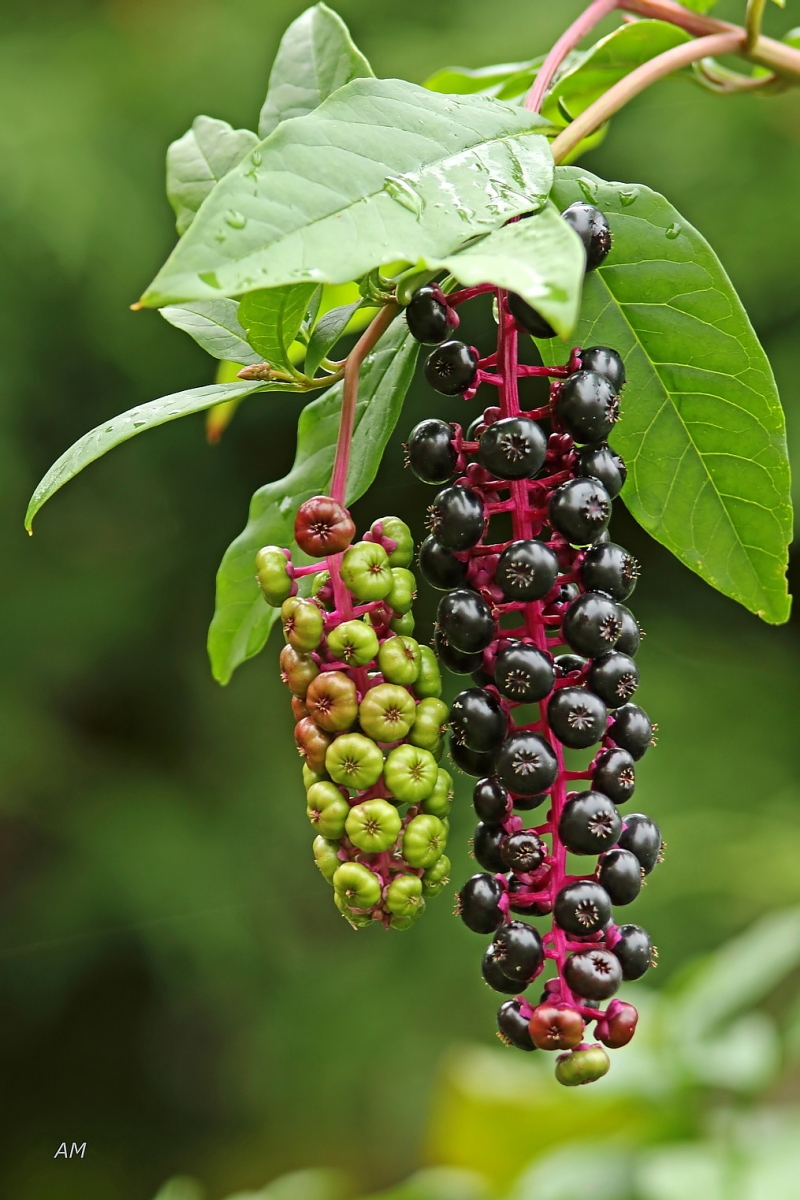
[380,207]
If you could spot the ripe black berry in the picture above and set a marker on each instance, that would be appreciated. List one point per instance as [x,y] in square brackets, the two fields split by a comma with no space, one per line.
[643,838]
[589,823]
[428,316]
[456,518]
[621,876]
[614,677]
[632,730]
[479,904]
[512,448]
[592,624]
[477,719]
[524,673]
[513,1026]
[582,908]
[465,620]
[565,664]
[634,951]
[494,975]
[530,320]
[566,593]
[526,764]
[595,974]
[486,843]
[431,453]
[519,951]
[592,228]
[580,510]
[587,406]
[472,762]
[528,803]
[611,569]
[523,852]
[606,362]
[526,570]
[577,717]
[614,774]
[600,462]
[451,368]
[440,568]
[455,660]
[491,800]
[631,635]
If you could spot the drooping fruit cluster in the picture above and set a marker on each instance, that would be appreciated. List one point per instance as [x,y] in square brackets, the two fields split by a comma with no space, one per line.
[370,724]
[539,621]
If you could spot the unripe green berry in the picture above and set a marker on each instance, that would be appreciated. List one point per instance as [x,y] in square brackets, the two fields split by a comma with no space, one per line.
[354,761]
[406,922]
[357,886]
[441,798]
[582,1066]
[373,826]
[356,919]
[398,531]
[326,856]
[353,643]
[424,841]
[430,723]
[404,590]
[436,877]
[297,670]
[429,679]
[311,777]
[410,773]
[317,583]
[273,575]
[403,625]
[403,895]
[399,659]
[438,749]
[302,623]
[387,712]
[327,809]
[366,572]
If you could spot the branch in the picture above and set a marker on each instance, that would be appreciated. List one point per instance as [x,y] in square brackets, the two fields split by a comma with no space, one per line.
[565,44]
[752,22]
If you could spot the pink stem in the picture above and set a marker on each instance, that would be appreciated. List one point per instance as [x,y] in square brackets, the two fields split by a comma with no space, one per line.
[565,44]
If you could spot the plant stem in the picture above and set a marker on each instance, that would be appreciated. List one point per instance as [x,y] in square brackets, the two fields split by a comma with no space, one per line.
[752,22]
[618,96]
[565,44]
[352,368]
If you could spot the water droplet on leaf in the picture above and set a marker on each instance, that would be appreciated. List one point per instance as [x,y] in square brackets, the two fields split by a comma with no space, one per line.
[629,196]
[673,230]
[402,191]
[235,219]
[589,189]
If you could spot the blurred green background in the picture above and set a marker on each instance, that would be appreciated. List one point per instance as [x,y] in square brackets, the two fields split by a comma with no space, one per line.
[176,987]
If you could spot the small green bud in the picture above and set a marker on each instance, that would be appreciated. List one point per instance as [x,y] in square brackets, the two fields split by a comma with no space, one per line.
[436,877]
[404,590]
[357,886]
[302,623]
[441,798]
[326,856]
[410,773]
[430,723]
[403,625]
[403,895]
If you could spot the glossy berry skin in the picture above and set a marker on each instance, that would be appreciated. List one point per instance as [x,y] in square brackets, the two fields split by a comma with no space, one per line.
[495,976]
[643,838]
[465,620]
[428,316]
[553,1028]
[323,526]
[592,228]
[600,462]
[613,677]
[614,774]
[579,1067]
[582,908]
[621,876]
[522,852]
[479,904]
[632,730]
[618,1026]
[456,518]
[491,800]
[524,673]
[580,510]
[455,660]
[486,842]
[587,406]
[526,764]
[634,951]
[526,570]
[431,453]
[631,635]
[519,951]
[577,717]
[606,362]
[451,368]
[513,1027]
[592,624]
[530,320]
[472,762]
[590,824]
[565,664]
[593,973]
[477,720]
[440,568]
[512,448]
[610,569]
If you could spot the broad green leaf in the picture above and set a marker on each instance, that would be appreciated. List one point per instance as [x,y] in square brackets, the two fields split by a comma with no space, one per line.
[382,171]
[485,81]
[701,6]
[326,333]
[702,429]
[214,325]
[316,56]
[105,437]
[198,160]
[242,620]
[271,318]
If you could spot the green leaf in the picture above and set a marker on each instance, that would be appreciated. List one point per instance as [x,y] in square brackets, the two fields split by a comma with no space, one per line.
[198,160]
[214,325]
[703,433]
[438,1183]
[701,6]
[316,56]
[318,1183]
[105,437]
[242,620]
[271,318]
[485,81]
[326,334]
[382,171]
[181,1188]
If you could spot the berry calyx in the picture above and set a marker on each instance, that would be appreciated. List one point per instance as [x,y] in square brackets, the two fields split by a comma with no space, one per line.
[580,510]
[522,852]
[512,448]
[594,973]
[526,570]
[582,908]
[577,717]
